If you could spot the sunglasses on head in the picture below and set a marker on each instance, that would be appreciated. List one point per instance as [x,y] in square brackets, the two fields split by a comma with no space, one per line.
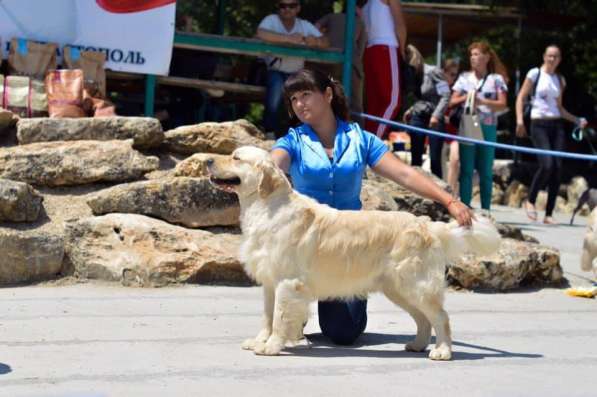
[287,5]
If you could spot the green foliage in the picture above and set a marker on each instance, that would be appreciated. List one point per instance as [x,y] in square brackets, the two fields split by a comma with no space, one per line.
[255,113]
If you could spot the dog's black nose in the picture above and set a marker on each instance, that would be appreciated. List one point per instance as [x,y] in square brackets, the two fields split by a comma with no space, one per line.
[209,162]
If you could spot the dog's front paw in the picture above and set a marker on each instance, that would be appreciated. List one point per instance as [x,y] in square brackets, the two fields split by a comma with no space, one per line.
[249,344]
[441,353]
[272,347]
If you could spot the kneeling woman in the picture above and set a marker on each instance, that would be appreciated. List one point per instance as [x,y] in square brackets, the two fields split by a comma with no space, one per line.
[326,157]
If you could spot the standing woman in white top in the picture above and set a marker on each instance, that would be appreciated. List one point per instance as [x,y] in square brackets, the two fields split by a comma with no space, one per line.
[547,130]
[386,42]
[487,78]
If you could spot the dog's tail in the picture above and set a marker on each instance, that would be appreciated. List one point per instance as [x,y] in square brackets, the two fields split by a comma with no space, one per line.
[480,239]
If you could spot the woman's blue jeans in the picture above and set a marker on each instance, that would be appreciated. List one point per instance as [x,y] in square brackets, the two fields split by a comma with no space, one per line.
[343,321]
[273,97]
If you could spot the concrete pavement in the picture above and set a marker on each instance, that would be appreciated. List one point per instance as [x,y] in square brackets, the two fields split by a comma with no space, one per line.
[105,340]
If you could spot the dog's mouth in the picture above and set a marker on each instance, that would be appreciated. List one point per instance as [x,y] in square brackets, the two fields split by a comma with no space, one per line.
[226,184]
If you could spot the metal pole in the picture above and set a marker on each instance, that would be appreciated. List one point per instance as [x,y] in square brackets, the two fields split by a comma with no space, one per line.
[518,38]
[150,83]
[348,47]
[440,37]
[221,16]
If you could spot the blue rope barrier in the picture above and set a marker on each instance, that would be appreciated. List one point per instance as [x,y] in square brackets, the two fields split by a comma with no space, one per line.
[541,152]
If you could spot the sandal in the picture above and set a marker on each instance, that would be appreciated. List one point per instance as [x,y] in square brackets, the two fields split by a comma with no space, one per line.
[549,221]
[530,210]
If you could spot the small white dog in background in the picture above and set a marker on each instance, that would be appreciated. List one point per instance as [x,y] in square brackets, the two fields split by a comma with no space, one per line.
[588,259]
[302,251]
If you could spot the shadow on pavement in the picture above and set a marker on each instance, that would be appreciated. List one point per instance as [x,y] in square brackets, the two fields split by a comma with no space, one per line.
[322,347]
[5,369]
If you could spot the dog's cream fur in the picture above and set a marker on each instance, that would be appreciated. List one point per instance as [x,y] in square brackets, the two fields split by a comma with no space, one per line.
[301,251]
[588,259]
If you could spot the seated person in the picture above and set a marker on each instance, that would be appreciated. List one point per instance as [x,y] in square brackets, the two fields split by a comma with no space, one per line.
[284,27]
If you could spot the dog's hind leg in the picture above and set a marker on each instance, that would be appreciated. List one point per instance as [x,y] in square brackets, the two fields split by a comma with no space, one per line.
[433,309]
[291,310]
[423,337]
[268,318]
[584,197]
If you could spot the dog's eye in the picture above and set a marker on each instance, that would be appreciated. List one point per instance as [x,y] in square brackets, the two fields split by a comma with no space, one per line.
[235,158]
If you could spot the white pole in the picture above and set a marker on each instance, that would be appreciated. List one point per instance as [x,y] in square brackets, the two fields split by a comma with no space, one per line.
[440,35]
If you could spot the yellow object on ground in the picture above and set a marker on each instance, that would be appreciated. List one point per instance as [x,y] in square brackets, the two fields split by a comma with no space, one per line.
[582,292]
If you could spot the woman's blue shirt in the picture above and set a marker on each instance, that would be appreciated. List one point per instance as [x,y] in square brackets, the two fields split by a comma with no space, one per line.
[336,182]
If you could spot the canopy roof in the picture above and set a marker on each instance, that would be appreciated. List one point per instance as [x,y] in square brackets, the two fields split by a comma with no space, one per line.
[456,22]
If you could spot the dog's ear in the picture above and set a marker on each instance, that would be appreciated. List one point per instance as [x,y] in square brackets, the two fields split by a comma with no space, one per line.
[270,179]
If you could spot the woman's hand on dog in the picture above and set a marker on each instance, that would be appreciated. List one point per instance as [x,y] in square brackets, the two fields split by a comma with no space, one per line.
[463,215]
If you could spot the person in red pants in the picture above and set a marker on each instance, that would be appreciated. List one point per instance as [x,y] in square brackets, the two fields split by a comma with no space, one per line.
[386,42]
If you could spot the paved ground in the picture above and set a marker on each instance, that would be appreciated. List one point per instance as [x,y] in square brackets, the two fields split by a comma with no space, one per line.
[106,340]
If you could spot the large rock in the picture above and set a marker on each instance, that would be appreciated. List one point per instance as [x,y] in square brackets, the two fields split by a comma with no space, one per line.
[195,165]
[502,172]
[516,264]
[19,202]
[74,163]
[515,194]
[411,202]
[7,119]
[541,202]
[191,202]
[28,256]
[514,232]
[144,131]
[574,190]
[212,137]
[138,250]
[375,197]
[497,194]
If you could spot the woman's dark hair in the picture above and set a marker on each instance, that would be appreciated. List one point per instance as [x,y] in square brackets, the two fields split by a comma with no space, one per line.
[314,80]
[553,45]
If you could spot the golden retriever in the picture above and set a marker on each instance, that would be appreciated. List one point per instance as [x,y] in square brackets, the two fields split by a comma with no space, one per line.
[301,251]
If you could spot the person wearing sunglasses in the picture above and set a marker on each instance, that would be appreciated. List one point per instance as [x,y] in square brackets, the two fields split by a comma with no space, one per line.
[284,28]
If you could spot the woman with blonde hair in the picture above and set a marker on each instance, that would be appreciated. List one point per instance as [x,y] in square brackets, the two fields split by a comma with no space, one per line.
[487,77]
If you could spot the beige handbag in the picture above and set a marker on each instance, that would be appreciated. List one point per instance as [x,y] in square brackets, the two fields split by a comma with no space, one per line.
[470,124]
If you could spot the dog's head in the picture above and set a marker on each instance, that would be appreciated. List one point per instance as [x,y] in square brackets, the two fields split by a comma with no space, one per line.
[248,170]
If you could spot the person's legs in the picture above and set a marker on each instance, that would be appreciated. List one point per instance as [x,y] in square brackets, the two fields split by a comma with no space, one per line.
[273,97]
[343,322]
[454,167]
[417,141]
[540,138]
[436,145]
[467,165]
[557,141]
[484,158]
[382,85]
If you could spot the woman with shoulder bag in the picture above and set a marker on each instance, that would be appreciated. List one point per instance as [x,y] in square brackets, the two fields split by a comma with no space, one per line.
[545,88]
[428,111]
[487,81]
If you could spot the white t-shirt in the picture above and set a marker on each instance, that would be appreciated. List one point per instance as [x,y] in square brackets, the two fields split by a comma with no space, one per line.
[545,97]
[273,23]
[380,24]
[494,84]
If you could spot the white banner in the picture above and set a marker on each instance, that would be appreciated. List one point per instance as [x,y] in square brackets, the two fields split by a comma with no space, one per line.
[136,35]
